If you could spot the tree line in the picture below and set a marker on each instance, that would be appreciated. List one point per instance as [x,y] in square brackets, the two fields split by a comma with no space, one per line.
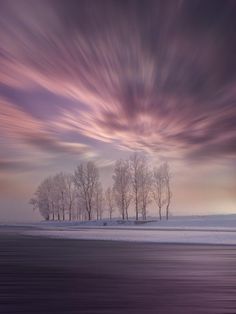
[80,196]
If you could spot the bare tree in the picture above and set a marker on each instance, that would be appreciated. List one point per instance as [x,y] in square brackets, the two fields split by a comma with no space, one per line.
[70,194]
[60,194]
[43,199]
[168,193]
[122,186]
[98,200]
[127,202]
[86,177]
[158,191]
[110,201]
[81,195]
[145,183]
[80,211]
[135,165]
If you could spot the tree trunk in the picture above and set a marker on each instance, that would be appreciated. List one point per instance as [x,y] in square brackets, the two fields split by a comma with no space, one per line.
[167,212]
[123,209]
[160,213]
[144,214]
[126,212]
[136,206]
[70,214]
[63,207]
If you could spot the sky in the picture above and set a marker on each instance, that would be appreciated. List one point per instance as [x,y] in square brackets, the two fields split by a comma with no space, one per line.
[96,80]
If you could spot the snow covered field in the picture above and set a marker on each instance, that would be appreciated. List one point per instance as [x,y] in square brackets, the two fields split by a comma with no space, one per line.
[219,229]
[158,236]
[218,222]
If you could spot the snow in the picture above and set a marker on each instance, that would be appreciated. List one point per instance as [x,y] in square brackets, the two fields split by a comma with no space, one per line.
[134,235]
[218,229]
[211,222]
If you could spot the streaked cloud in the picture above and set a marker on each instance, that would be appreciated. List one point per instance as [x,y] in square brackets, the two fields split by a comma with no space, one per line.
[18,125]
[144,79]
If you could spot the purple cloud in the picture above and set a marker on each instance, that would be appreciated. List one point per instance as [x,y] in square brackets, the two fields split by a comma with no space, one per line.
[157,76]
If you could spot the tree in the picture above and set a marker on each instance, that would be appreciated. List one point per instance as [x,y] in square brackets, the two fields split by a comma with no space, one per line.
[168,193]
[70,194]
[158,191]
[43,199]
[54,197]
[145,182]
[98,200]
[110,201]
[122,186]
[135,164]
[127,201]
[80,211]
[81,196]
[86,177]
[60,194]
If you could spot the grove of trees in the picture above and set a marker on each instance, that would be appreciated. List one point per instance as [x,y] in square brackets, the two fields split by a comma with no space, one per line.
[80,196]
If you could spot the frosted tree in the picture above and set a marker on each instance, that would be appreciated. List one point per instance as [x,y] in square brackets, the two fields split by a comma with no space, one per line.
[43,199]
[158,188]
[168,193]
[80,212]
[122,186]
[60,197]
[136,160]
[70,194]
[110,201]
[145,183]
[86,177]
[98,200]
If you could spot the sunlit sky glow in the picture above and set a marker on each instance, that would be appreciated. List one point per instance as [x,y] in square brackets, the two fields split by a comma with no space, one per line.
[97,79]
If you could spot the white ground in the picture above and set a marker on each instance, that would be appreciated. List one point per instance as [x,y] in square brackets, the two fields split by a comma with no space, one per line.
[219,229]
[184,222]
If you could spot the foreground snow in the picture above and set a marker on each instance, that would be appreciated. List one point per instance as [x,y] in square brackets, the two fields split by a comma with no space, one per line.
[196,230]
[158,236]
